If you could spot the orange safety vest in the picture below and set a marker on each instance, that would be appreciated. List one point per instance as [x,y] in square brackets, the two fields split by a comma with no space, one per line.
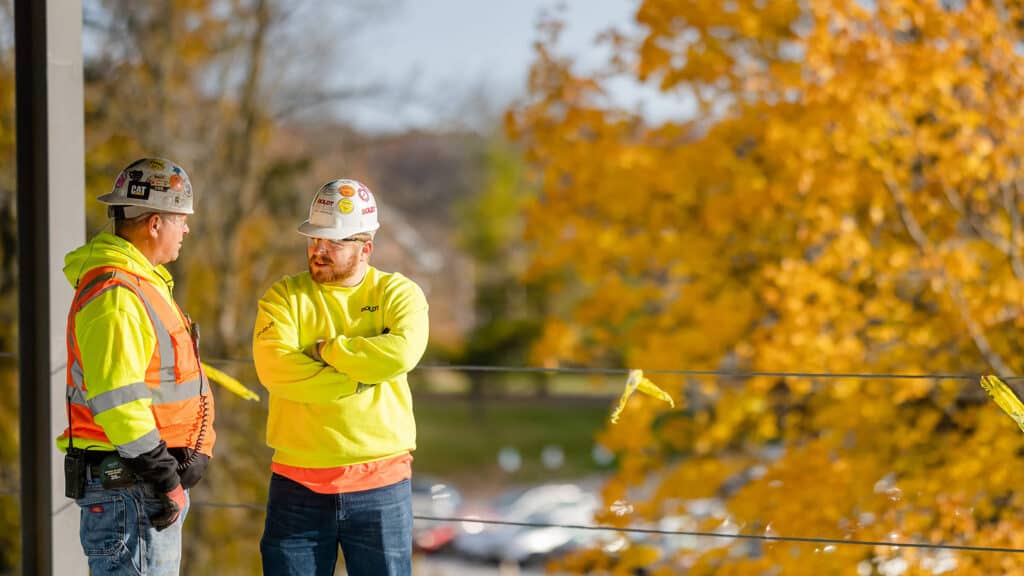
[182,403]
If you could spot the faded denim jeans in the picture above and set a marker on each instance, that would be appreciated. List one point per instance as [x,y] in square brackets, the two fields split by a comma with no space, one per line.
[118,538]
[304,528]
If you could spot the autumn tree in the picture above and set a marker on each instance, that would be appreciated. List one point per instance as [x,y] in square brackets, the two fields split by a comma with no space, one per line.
[846,197]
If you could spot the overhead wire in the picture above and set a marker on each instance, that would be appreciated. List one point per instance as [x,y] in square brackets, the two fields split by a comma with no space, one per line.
[763,537]
[635,530]
[674,372]
[666,371]
[655,531]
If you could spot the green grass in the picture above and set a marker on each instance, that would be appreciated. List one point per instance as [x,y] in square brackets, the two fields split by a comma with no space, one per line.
[455,382]
[456,445]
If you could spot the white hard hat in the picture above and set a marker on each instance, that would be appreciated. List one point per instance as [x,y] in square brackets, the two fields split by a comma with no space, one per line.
[153,185]
[340,209]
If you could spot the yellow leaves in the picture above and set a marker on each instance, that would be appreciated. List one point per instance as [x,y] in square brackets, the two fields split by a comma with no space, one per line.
[912,390]
[558,341]
[696,478]
[853,205]
[636,557]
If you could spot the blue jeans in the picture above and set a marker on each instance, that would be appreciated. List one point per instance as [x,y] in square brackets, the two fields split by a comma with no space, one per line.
[304,529]
[117,536]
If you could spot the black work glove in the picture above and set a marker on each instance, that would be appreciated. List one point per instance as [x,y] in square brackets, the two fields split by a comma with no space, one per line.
[158,468]
[195,469]
[173,503]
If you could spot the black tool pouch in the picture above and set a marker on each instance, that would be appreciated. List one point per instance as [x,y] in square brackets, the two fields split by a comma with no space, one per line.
[114,475]
[74,473]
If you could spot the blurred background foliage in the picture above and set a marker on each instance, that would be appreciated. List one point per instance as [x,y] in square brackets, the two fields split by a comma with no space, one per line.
[845,197]
[841,191]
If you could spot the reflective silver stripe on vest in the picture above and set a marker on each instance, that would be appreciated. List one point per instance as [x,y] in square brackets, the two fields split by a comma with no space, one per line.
[77,396]
[136,391]
[168,392]
[118,397]
[77,377]
[97,280]
[137,448]
[178,392]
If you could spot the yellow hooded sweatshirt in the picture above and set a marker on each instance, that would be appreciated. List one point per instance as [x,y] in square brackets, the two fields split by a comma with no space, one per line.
[355,406]
[116,321]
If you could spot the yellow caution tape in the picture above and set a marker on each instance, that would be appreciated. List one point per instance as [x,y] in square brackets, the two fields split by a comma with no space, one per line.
[636,381]
[230,383]
[1005,398]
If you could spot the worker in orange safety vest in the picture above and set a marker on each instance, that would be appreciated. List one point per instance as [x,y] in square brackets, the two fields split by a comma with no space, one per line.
[140,409]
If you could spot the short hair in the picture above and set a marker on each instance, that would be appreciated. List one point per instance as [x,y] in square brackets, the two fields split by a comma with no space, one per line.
[124,224]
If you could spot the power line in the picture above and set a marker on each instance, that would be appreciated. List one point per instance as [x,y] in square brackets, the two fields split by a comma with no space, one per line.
[675,372]
[667,372]
[801,539]
[686,372]
[678,372]
[695,533]
[699,534]
[631,530]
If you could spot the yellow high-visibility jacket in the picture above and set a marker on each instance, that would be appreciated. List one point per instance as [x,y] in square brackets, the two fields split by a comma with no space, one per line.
[129,389]
[375,333]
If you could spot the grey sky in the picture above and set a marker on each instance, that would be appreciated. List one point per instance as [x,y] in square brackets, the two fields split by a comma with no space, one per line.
[444,51]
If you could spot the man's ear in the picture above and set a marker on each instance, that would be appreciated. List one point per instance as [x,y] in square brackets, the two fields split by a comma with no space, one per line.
[153,225]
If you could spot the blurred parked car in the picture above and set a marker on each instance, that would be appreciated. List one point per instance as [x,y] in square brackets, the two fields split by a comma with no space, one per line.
[549,504]
[433,497]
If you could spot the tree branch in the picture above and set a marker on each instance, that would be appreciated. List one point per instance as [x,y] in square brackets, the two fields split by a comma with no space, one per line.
[919,237]
[1010,205]
[321,97]
[981,231]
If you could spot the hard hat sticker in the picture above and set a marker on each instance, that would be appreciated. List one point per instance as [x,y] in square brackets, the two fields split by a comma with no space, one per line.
[347,190]
[323,206]
[364,194]
[138,190]
[177,182]
[345,206]
[158,182]
[156,164]
[327,190]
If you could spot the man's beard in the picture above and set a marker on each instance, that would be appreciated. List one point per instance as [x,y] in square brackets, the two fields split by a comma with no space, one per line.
[331,271]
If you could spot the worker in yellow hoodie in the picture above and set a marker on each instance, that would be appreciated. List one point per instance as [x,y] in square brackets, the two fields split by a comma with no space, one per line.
[333,346]
[140,410]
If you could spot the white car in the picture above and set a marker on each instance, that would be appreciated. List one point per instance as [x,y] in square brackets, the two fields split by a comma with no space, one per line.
[549,504]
